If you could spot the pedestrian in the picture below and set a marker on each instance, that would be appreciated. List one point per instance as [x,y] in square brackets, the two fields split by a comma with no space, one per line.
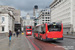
[17,33]
[14,33]
[72,32]
[10,35]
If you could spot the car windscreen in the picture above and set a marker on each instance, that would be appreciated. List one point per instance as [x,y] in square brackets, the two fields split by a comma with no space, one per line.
[54,27]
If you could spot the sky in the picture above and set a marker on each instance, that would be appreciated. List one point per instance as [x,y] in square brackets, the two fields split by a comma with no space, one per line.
[26,6]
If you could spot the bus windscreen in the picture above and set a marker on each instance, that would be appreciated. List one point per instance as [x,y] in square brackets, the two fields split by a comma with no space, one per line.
[54,27]
[28,30]
[29,27]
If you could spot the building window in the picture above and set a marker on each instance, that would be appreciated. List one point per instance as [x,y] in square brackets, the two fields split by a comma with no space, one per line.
[43,13]
[3,19]
[42,20]
[46,17]
[42,17]
[2,28]
[46,13]
[46,20]
[59,0]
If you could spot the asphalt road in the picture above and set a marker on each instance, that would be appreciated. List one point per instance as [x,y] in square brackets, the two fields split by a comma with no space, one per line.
[66,44]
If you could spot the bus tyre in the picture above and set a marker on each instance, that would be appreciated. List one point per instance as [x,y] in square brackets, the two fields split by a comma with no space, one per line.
[35,37]
[41,39]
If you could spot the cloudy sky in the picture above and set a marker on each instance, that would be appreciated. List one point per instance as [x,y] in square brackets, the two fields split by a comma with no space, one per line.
[26,6]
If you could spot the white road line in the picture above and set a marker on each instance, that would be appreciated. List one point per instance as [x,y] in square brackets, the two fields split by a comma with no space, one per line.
[3,39]
[60,46]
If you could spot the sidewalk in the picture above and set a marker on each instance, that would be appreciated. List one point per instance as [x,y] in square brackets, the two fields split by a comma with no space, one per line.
[2,35]
[17,43]
[69,36]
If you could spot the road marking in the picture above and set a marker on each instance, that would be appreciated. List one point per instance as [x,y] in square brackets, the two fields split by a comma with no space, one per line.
[3,39]
[60,46]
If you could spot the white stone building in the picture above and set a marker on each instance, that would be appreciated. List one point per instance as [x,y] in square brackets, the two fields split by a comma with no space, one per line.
[64,11]
[44,16]
[16,12]
[27,20]
[6,21]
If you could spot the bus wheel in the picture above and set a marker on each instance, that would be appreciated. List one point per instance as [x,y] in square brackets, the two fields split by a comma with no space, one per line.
[35,37]
[41,38]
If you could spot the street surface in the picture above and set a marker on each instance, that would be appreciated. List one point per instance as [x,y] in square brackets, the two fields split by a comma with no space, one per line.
[66,44]
[3,35]
[17,43]
[30,43]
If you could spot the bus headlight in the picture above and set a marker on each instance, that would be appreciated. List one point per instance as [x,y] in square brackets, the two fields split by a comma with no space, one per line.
[47,31]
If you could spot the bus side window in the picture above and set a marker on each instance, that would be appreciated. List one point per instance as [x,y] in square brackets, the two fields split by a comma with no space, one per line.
[43,32]
[39,29]
[43,29]
[36,29]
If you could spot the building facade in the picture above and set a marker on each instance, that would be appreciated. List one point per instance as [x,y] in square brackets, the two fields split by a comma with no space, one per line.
[5,23]
[27,20]
[63,11]
[16,12]
[44,16]
[35,9]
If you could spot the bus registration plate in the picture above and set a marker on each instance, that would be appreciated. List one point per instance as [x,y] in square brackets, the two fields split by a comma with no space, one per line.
[54,38]
[29,32]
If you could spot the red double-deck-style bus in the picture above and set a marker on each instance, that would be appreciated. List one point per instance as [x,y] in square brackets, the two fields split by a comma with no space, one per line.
[28,30]
[49,32]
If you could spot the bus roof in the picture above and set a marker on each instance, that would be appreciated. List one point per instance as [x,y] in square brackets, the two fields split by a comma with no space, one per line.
[54,23]
[49,24]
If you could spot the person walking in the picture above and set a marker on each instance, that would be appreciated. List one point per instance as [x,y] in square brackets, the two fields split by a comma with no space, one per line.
[14,33]
[17,33]
[10,35]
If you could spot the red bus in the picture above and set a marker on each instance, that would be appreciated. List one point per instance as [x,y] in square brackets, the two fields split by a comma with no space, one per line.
[28,30]
[49,32]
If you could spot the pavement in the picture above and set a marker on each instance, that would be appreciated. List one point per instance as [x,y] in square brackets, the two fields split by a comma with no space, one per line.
[17,43]
[69,36]
[2,35]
